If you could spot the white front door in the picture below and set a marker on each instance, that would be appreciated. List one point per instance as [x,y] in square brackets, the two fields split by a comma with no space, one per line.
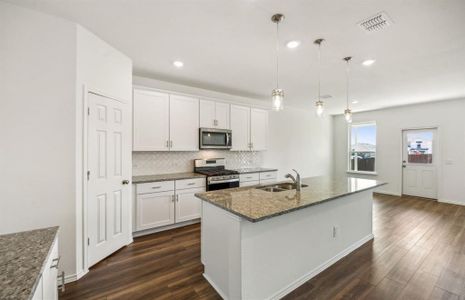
[108,189]
[419,163]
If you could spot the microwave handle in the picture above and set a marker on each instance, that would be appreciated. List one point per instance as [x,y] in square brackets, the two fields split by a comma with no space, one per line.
[228,137]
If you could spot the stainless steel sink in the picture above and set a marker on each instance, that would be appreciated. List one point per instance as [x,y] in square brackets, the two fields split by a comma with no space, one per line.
[279,187]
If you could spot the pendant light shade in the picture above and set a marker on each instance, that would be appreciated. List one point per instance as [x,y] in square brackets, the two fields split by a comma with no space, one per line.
[277,94]
[347,111]
[319,104]
[277,98]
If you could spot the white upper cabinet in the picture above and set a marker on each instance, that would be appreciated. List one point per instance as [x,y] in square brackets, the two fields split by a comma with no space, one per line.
[184,123]
[240,127]
[214,114]
[222,115]
[151,121]
[258,129]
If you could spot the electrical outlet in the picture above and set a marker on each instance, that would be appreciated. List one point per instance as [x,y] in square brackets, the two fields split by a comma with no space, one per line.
[335,231]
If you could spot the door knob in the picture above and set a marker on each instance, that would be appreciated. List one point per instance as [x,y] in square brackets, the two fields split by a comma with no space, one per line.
[125,181]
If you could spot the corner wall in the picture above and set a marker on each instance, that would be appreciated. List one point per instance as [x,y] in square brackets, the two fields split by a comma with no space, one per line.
[446,115]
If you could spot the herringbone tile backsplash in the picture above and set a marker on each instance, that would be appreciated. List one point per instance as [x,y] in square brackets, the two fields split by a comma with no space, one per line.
[146,163]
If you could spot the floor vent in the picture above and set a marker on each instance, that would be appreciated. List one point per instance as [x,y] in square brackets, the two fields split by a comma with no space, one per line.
[376,23]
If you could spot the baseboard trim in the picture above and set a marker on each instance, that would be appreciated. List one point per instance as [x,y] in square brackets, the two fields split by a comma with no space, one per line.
[294,285]
[451,202]
[217,289]
[387,193]
[167,227]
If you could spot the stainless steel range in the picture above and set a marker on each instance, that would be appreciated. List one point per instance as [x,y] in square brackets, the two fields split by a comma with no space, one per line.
[218,177]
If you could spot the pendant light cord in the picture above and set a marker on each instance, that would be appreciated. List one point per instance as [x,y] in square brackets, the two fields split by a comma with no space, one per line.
[347,84]
[319,71]
[277,55]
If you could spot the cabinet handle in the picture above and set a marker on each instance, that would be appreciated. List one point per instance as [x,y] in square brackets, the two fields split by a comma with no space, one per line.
[191,183]
[57,261]
[155,187]
[172,198]
[171,144]
[177,198]
[167,144]
[62,285]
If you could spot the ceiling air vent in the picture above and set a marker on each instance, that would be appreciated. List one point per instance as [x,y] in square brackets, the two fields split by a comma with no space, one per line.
[375,23]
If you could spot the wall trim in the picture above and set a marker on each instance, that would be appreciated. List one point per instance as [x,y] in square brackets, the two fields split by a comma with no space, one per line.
[451,202]
[294,285]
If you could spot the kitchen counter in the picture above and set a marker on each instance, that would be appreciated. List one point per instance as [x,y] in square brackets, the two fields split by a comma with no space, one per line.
[254,170]
[165,177]
[22,259]
[256,205]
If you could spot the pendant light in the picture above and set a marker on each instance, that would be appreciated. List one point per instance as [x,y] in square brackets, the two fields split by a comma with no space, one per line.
[277,95]
[319,103]
[347,111]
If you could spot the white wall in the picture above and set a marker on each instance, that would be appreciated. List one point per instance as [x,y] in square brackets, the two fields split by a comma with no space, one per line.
[44,63]
[446,115]
[103,69]
[297,138]
[37,123]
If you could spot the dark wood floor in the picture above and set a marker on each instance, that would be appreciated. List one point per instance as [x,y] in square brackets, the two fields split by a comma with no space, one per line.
[418,253]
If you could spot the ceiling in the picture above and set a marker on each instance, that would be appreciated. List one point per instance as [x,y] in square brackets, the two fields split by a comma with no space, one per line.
[229,46]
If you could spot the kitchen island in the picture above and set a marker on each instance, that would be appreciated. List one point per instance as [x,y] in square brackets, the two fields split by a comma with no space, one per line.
[257,244]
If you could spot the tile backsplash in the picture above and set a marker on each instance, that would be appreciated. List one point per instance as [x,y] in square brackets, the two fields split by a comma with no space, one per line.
[146,163]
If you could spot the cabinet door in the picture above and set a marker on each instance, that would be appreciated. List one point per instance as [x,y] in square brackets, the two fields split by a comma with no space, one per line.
[154,210]
[207,114]
[187,205]
[258,129]
[222,115]
[49,276]
[240,127]
[38,293]
[151,121]
[184,123]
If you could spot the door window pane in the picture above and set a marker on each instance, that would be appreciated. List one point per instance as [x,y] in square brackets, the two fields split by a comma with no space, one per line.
[362,155]
[420,147]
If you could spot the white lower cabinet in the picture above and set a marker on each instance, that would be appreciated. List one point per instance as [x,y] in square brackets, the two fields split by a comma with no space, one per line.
[154,210]
[187,205]
[47,288]
[250,179]
[157,209]
[248,183]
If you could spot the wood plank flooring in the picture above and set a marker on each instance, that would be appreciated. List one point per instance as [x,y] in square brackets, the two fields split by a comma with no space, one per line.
[418,253]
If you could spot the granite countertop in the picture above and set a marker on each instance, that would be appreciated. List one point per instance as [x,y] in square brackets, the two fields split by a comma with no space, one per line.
[165,177]
[256,205]
[254,170]
[22,259]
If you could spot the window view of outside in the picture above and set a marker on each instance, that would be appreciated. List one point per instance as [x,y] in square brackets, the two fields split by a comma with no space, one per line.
[420,147]
[362,147]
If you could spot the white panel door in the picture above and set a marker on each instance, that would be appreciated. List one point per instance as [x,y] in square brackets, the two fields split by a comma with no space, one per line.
[240,127]
[222,114]
[154,210]
[184,123]
[419,163]
[258,129]
[151,121]
[108,190]
[207,114]
[187,205]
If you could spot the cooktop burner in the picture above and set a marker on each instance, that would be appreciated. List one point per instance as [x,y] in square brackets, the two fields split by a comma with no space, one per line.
[212,167]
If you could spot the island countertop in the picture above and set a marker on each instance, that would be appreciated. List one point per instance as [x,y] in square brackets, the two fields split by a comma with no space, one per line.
[22,259]
[256,205]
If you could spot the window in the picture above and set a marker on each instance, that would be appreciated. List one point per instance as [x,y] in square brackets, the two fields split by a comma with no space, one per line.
[362,148]
[420,147]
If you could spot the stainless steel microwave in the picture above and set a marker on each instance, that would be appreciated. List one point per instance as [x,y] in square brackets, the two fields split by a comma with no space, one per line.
[210,138]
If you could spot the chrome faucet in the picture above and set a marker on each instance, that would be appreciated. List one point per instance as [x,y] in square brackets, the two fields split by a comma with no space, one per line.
[297,180]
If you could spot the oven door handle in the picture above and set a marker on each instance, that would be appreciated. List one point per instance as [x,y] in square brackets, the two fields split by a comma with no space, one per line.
[222,181]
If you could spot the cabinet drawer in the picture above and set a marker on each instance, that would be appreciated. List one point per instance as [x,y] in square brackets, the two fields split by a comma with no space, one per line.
[249,177]
[190,183]
[268,175]
[154,187]
[249,183]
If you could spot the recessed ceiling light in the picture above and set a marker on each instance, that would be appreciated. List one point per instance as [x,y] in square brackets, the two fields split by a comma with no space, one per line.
[368,62]
[355,102]
[293,44]
[178,64]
